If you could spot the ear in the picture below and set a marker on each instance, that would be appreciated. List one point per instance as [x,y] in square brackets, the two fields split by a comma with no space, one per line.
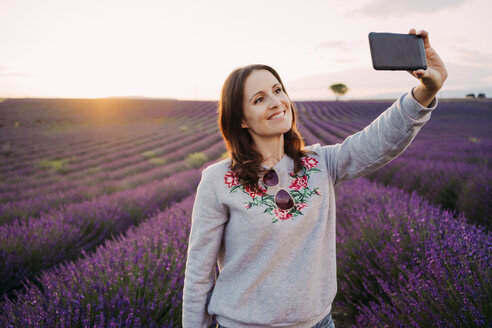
[244,125]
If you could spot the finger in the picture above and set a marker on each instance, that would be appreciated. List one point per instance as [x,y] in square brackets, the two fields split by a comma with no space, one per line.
[425,36]
[419,73]
[412,31]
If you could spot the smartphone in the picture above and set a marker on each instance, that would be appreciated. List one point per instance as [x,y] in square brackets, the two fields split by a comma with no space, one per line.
[395,52]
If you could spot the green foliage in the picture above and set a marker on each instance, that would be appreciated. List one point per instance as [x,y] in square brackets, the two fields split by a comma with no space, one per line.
[195,160]
[149,154]
[339,89]
[158,161]
[58,165]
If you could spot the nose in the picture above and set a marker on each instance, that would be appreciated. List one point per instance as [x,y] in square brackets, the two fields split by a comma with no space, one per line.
[274,101]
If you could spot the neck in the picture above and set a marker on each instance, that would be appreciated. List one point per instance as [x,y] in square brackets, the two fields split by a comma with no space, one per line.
[271,149]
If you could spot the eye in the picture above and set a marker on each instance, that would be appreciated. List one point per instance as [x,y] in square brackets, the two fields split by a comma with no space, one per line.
[278,90]
[259,98]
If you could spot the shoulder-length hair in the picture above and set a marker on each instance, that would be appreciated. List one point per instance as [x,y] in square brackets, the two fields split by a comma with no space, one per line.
[245,160]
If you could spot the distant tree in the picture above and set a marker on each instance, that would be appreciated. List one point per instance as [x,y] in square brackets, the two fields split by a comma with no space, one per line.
[470,95]
[339,89]
[481,95]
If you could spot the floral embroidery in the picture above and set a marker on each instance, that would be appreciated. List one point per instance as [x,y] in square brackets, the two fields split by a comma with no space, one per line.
[298,189]
[230,179]
[281,214]
[300,206]
[253,194]
[309,162]
[299,183]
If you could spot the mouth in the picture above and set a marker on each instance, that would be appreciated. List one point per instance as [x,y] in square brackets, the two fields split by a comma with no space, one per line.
[277,115]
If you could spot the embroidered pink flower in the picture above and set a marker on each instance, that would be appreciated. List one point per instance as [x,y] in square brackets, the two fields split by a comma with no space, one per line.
[230,179]
[300,206]
[281,215]
[309,162]
[298,183]
[253,193]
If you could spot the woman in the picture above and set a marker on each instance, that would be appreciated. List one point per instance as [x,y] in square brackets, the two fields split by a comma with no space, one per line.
[267,213]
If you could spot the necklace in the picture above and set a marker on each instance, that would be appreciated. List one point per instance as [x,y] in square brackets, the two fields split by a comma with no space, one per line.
[274,162]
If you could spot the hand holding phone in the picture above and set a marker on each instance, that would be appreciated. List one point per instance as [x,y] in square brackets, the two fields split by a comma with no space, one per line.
[393,51]
[429,70]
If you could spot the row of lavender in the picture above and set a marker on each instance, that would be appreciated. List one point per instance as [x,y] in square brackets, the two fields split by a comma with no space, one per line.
[103,149]
[31,245]
[135,173]
[28,142]
[449,162]
[131,162]
[27,248]
[402,263]
[114,169]
[55,222]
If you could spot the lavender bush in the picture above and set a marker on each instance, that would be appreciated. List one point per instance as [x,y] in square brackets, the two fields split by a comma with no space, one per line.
[453,185]
[135,280]
[406,263]
[27,248]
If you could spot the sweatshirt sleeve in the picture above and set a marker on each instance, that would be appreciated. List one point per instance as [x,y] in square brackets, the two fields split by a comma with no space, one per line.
[207,227]
[379,142]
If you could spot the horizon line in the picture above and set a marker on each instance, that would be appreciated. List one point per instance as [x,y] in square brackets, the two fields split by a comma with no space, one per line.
[216,100]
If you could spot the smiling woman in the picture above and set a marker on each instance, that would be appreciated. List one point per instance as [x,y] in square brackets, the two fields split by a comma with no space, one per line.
[266,214]
[265,128]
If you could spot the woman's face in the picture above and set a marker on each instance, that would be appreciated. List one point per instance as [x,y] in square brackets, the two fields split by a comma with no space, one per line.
[266,107]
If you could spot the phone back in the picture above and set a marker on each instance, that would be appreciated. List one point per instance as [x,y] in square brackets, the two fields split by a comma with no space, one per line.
[393,51]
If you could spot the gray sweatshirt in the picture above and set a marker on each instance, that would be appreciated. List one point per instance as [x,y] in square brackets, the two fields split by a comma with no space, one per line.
[278,268]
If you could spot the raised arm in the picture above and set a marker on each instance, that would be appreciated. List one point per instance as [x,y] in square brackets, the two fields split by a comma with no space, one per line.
[207,228]
[393,131]
[379,142]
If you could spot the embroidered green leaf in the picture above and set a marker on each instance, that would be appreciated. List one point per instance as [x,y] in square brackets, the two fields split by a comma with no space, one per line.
[297,197]
[306,192]
[235,188]
[268,200]
[295,193]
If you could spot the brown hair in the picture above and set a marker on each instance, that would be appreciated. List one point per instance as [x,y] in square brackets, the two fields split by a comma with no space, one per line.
[245,160]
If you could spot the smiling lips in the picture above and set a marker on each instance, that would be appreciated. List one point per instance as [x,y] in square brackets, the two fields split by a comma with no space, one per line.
[277,115]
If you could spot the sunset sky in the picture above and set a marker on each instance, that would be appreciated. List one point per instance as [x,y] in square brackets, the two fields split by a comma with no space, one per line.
[186,49]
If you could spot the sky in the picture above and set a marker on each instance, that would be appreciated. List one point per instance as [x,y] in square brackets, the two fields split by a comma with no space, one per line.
[186,49]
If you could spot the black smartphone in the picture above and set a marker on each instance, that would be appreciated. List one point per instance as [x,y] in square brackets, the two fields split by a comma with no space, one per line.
[395,52]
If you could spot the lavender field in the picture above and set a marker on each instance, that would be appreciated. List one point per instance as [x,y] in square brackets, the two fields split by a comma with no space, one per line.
[96,198]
